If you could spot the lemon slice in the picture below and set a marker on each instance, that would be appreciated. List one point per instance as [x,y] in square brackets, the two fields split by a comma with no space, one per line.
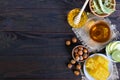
[116,55]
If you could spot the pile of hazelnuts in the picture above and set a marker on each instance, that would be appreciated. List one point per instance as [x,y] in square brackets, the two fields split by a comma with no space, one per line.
[75,66]
[79,54]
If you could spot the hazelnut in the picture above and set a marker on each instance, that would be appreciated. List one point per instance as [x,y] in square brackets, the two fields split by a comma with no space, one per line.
[73,61]
[81,58]
[76,50]
[74,40]
[68,42]
[85,55]
[78,66]
[85,51]
[77,58]
[80,53]
[80,48]
[76,73]
[70,66]
[76,54]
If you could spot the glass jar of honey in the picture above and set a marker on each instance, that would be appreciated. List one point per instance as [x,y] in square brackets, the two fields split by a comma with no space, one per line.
[98,29]
[96,33]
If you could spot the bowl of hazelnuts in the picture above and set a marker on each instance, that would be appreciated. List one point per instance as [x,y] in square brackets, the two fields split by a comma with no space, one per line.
[80,53]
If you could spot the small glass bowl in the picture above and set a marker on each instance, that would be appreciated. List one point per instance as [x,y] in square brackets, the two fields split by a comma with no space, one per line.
[84,36]
[99,21]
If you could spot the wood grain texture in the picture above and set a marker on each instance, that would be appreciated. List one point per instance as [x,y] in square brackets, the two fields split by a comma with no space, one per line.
[35,15]
[32,39]
[41,56]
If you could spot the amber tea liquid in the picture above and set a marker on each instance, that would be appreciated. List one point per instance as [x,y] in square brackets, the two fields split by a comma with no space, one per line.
[100,32]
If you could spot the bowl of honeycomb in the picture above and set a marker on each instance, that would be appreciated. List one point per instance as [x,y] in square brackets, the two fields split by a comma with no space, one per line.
[98,67]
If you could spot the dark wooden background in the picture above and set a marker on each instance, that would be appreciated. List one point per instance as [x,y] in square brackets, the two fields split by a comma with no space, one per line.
[32,38]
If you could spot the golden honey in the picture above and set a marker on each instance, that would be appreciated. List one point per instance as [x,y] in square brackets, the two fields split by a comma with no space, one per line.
[100,32]
[72,14]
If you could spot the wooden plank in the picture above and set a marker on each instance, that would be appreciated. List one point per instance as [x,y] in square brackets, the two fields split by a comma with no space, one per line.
[28,56]
[31,67]
[9,4]
[38,68]
[18,43]
[38,55]
[42,20]
[33,56]
[18,16]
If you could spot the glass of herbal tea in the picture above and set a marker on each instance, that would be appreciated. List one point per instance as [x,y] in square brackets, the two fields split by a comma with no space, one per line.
[98,29]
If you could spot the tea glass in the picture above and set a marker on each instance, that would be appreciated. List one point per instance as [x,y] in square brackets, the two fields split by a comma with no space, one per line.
[83,34]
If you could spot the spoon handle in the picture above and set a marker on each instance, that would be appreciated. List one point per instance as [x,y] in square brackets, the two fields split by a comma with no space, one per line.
[78,17]
[84,6]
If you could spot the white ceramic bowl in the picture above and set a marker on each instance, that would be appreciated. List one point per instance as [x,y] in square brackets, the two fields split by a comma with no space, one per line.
[110,67]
